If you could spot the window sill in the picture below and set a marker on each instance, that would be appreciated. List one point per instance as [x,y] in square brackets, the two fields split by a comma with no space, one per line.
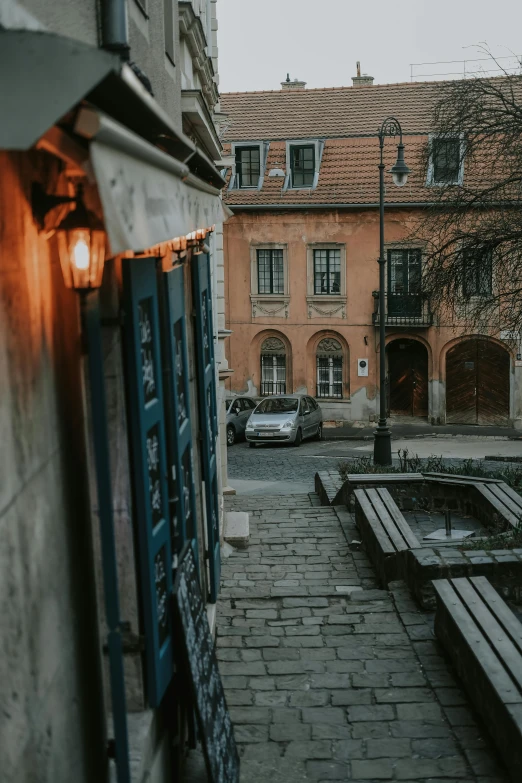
[271,305]
[332,305]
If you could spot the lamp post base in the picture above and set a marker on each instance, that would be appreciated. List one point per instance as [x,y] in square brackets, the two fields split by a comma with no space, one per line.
[382,445]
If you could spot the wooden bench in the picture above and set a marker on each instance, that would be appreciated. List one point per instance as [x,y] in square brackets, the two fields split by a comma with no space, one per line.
[386,534]
[362,480]
[483,638]
[506,502]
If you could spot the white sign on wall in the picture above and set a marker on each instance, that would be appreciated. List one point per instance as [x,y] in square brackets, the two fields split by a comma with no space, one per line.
[362,367]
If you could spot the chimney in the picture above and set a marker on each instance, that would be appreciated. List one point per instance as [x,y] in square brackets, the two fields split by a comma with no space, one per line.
[292,85]
[361,81]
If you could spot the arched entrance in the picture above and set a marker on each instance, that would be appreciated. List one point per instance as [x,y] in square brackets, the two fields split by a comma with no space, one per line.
[477,383]
[407,378]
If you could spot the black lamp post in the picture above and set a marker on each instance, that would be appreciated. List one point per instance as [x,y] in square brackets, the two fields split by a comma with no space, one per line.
[399,172]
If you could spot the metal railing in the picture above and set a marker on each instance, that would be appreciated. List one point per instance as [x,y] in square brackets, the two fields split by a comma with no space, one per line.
[404,310]
[269,388]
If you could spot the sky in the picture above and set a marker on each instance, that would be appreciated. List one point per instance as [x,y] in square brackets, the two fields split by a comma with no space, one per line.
[319,41]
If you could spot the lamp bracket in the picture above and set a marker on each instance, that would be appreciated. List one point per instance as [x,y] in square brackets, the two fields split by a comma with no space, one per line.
[42,203]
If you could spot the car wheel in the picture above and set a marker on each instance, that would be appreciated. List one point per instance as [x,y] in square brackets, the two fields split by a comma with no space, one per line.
[298,437]
[319,433]
[251,445]
[231,435]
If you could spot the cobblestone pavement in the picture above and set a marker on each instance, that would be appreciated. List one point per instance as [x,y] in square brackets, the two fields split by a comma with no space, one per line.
[284,463]
[326,676]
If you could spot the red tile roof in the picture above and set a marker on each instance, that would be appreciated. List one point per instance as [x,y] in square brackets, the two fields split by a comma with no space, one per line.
[348,118]
[327,112]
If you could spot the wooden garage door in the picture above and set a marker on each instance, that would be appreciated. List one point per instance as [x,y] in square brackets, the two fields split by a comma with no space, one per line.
[477,383]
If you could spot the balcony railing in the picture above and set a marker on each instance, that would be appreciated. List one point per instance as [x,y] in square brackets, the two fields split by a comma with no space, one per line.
[405,310]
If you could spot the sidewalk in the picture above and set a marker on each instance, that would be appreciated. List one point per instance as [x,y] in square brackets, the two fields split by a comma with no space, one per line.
[328,678]
[421,429]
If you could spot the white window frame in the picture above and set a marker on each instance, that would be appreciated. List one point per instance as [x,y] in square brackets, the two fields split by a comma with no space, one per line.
[263,146]
[430,182]
[325,305]
[318,145]
[268,305]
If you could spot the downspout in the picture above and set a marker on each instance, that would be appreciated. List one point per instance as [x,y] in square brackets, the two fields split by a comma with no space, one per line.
[115,27]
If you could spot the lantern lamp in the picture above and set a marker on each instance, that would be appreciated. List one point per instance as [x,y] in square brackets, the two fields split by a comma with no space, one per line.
[81,245]
[400,170]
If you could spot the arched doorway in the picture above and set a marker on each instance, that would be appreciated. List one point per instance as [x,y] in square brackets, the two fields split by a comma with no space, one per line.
[477,383]
[273,367]
[407,378]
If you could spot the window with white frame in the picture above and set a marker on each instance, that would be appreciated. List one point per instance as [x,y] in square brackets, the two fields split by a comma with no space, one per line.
[270,271]
[327,271]
[446,160]
[329,363]
[273,367]
[249,165]
[303,161]
[477,274]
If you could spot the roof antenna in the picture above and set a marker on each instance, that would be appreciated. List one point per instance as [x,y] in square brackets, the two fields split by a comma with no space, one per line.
[358,68]
[287,77]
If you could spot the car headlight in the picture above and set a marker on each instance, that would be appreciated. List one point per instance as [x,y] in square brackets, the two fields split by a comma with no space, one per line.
[288,424]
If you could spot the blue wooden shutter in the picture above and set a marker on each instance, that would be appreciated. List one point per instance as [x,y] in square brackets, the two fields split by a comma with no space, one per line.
[207,411]
[183,500]
[149,468]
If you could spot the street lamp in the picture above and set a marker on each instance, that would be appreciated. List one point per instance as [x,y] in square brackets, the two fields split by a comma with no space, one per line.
[399,172]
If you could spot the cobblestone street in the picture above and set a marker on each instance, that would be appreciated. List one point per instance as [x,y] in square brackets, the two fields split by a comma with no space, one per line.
[328,677]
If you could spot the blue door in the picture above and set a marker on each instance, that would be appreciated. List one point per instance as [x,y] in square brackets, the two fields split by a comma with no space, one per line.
[182,500]
[207,411]
[149,467]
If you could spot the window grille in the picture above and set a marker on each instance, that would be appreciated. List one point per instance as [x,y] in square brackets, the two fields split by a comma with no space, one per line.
[327,271]
[329,369]
[270,272]
[302,163]
[273,374]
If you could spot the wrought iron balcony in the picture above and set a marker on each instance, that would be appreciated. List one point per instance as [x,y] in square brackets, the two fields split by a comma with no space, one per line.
[404,310]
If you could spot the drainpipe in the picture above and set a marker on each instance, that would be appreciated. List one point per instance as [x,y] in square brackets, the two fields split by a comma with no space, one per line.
[115,29]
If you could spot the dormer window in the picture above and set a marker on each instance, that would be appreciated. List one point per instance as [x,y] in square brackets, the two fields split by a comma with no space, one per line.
[248,166]
[302,162]
[446,166]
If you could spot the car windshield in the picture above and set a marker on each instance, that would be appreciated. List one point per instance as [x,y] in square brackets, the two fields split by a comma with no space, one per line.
[278,405]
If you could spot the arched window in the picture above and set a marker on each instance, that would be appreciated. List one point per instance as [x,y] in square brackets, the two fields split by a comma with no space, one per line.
[329,368]
[273,367]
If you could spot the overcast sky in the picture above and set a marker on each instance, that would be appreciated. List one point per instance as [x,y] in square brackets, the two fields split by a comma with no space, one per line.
[319,41]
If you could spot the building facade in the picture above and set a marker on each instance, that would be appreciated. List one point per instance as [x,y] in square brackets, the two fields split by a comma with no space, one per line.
[111,335]
[301,257]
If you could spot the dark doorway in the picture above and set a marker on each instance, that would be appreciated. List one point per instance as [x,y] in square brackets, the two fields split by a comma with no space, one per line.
[477,383]
[407,378]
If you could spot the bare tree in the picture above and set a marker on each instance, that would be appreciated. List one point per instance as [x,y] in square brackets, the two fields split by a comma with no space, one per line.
[473,229]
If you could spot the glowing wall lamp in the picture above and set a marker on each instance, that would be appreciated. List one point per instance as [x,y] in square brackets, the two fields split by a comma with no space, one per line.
[80,236]
[81,245]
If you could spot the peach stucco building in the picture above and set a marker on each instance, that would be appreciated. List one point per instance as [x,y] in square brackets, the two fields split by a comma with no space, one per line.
[301,272]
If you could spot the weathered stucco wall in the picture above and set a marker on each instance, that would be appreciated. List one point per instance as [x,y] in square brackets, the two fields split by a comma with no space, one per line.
[51,722]
[303,328]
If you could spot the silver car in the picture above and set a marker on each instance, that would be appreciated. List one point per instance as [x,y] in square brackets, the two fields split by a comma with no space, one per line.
[290,418]
[238,413]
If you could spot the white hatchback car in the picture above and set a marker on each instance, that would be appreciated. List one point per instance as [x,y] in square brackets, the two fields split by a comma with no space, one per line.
[290,418]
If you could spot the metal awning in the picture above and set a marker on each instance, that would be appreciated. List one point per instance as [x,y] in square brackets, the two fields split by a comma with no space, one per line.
[43,76]
[148,197]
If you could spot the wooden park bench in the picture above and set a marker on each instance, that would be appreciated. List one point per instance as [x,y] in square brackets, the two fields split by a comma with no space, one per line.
[385,533]
[506,502]
[483,638]
[394,481]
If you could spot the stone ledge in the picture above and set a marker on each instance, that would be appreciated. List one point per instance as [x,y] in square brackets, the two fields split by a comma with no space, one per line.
[503,568]
[237,528]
